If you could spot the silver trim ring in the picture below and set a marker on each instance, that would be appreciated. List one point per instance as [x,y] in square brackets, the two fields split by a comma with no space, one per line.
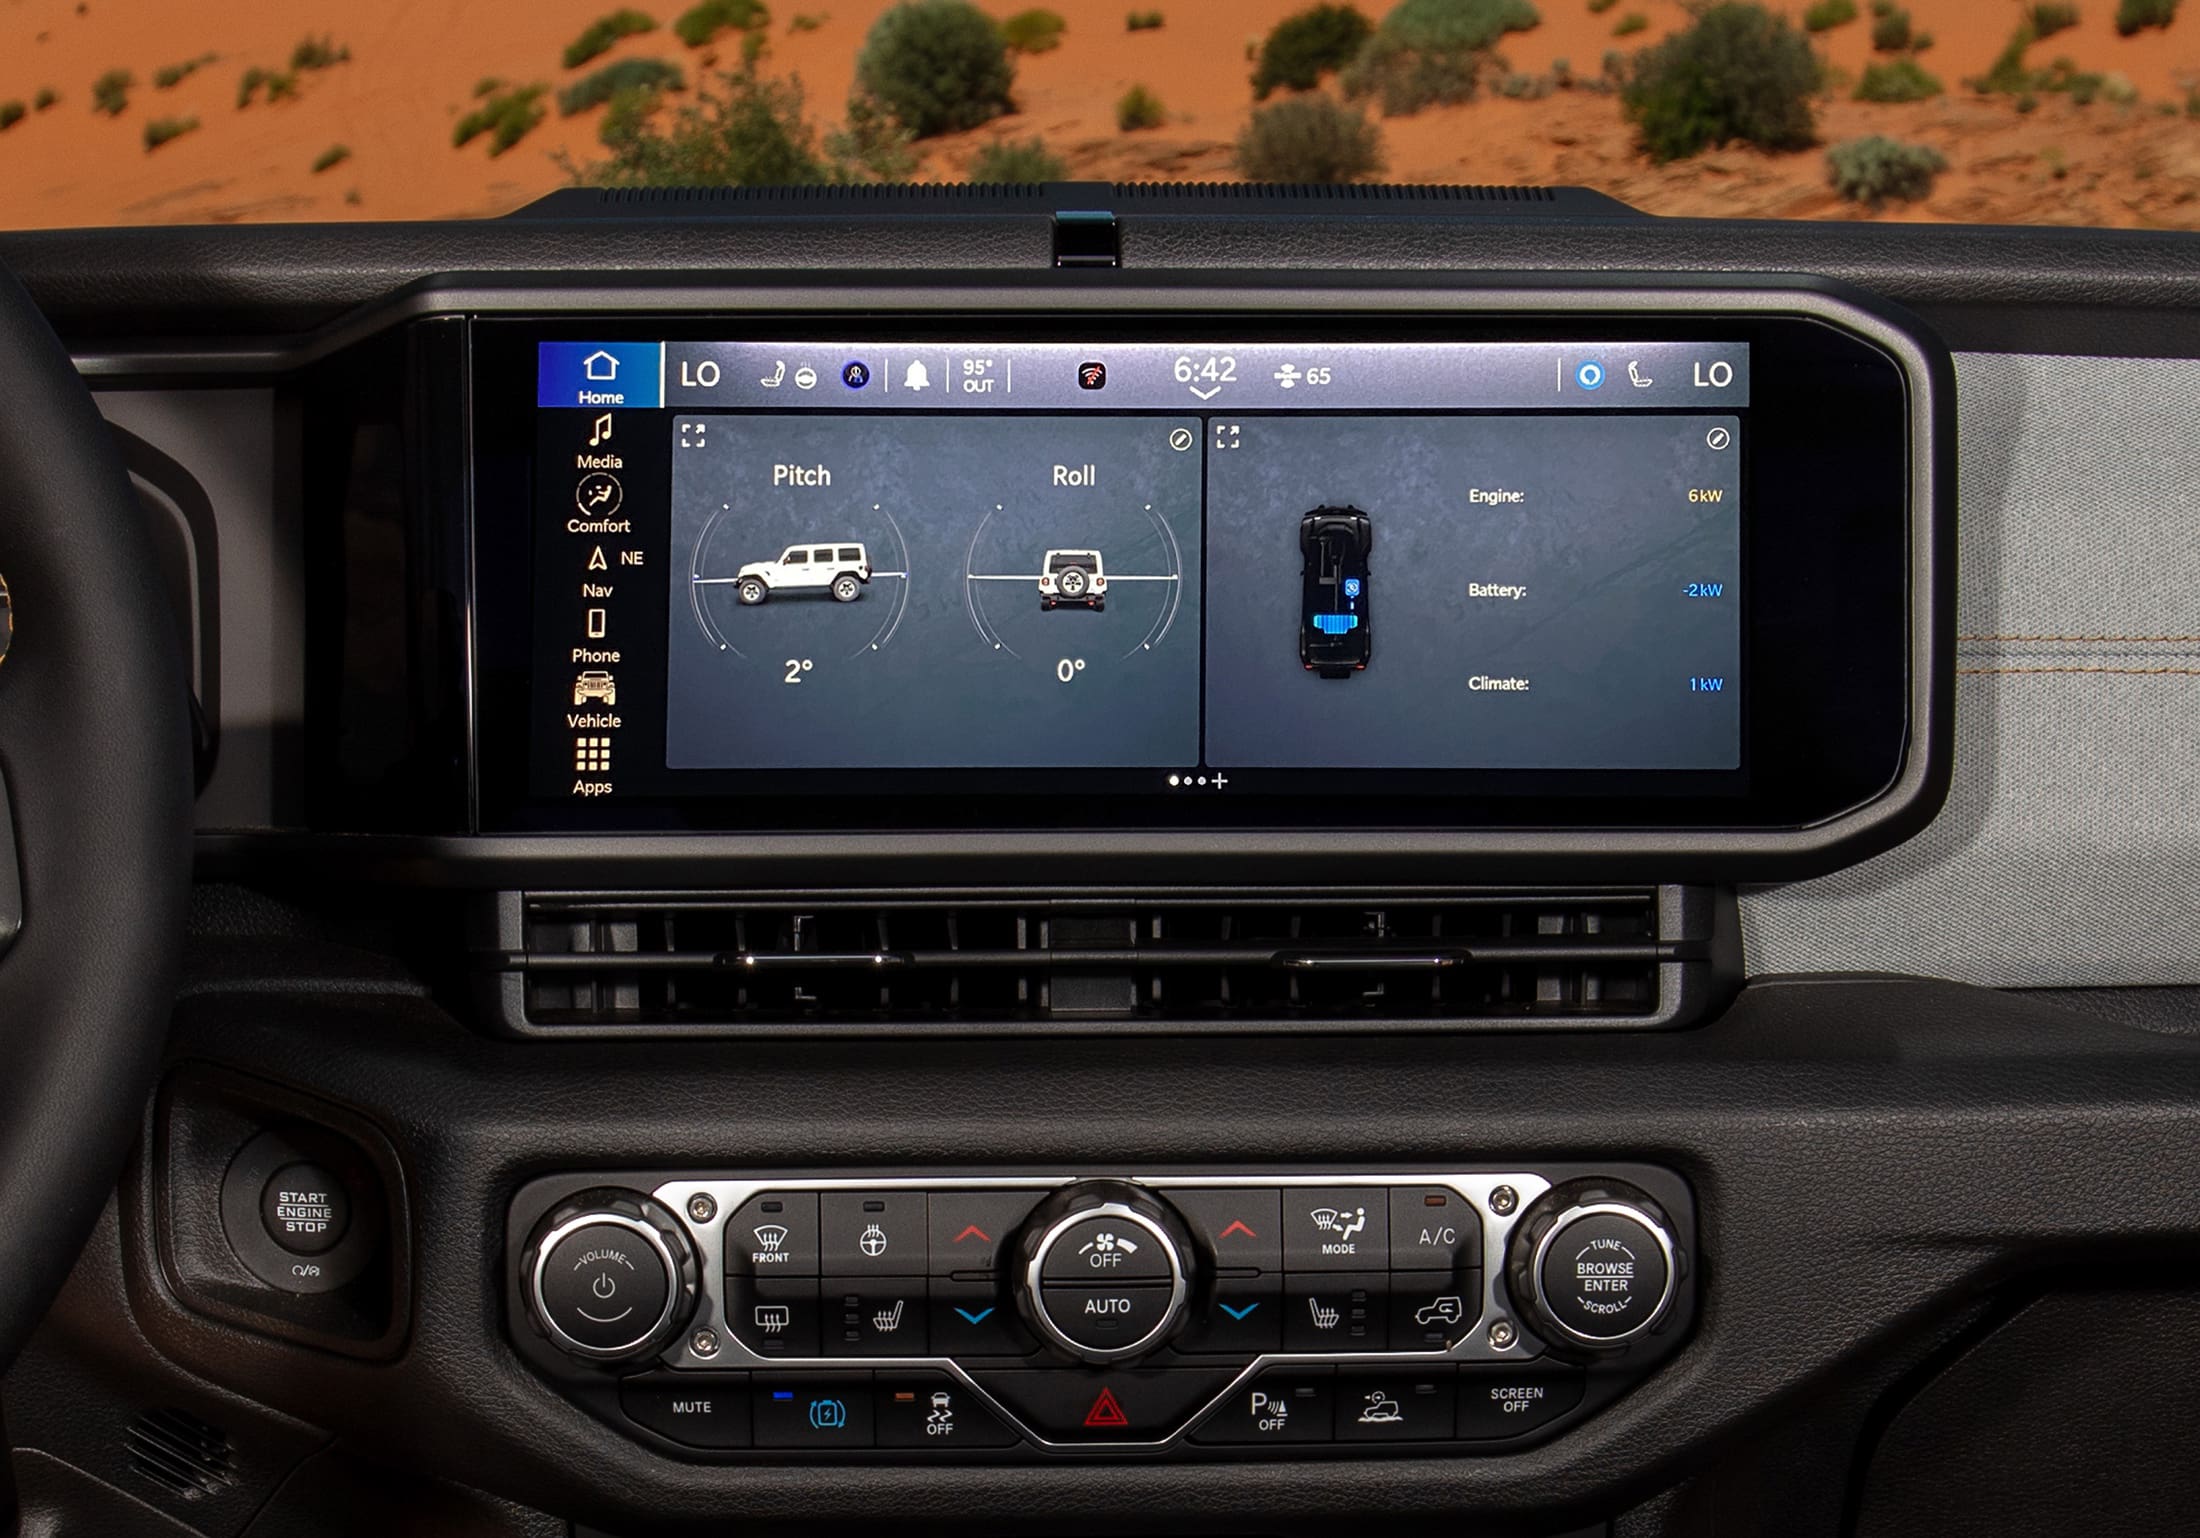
[1035,1283]
[1567,1219]
[599,1219]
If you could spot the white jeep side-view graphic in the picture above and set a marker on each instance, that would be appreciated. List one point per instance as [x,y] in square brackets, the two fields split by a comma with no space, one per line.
[839,569]
[1073,576]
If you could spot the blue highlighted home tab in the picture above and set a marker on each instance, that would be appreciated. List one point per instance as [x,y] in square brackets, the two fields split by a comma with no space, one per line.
[600,374]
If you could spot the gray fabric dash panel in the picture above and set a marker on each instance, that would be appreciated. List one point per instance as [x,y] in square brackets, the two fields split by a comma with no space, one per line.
[2069,851]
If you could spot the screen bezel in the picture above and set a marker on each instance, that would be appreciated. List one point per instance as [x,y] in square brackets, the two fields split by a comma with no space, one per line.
[1831,689]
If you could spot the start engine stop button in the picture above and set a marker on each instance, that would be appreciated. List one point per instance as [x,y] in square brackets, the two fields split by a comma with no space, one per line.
[304,1209]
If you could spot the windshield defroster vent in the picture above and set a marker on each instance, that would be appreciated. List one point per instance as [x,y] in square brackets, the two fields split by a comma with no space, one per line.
[586,963]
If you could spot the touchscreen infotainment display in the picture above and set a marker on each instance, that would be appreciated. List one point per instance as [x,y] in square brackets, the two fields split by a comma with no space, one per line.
[1144,567]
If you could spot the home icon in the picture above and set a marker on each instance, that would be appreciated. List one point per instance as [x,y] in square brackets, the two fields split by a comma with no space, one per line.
[600,365]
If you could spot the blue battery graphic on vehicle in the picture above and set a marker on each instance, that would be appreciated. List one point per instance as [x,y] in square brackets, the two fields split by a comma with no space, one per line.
[1335,639]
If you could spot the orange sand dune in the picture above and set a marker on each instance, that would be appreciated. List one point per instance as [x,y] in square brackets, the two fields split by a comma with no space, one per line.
[415,62]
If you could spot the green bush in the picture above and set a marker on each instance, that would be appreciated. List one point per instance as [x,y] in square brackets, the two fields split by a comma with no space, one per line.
[2050,17]
[601,34]
[1033,31]
[1432,52]
[2010,75]
[1599,7]
[169,76]
[1142,21]
[1309,139]
[330,158]
[747,131]
[12,113]
[1522,87]
[111,92]
[280,85]
[1828,14]
[698,24]
[1898,80]
[45,98]
[161,130]
[1630,24]
[1139,108]
[2138,15]
[1877,170]
[1891,30]
[1025,161]
[508,116]
[806,22]
[1740,73]
[598,87]
[318,53]
[1308,45]
[936,66]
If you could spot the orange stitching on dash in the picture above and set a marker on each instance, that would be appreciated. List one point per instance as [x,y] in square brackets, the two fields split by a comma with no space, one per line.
[2149,640]
[2135,672]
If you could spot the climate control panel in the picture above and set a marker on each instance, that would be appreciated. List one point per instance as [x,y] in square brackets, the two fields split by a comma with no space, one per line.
[1189,1314]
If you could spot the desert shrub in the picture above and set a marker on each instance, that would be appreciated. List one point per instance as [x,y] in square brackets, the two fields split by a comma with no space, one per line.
[12,113]
[2137,15]
[806,22]
[318,53]
[45,98]
[1143,21]
[1740,73]
[1599,7]
[1027,160]
[1516,86]
[330,158]
[746,131]
[1139,108]
[698,24]
[507,117]
[2049,17]
[2008,74]
[487,85]
[111,92]
[599,86]
[1430,52]
[162,129]
[1878,170]
[1828,14]
[169,76]
[279,85]
[1890,29]
[1897,80]
[600,35]
[1309,139]
[1033,31]
[1630,24]
[936,66]
[1308,45]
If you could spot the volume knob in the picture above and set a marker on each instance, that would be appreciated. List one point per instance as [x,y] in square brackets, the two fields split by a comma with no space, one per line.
[1105,1273]
[610,1277]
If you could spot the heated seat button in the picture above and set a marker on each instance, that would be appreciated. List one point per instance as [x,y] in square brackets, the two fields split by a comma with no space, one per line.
[305,1209]
[1106,1318]
[1430,1312]
[932,1411]
[1104,1404]
[774,1234]
[1342,1228]
[873,1233]
[813,1411]
[774,1316]
[1410,1404]
[1336,1313]
[694,1409]
[1433,1228]
[1284,1404]
[1240,1230]
[873,1316]
[1106,1250]
[976,1319]
[1243,1317]
[1511,1402]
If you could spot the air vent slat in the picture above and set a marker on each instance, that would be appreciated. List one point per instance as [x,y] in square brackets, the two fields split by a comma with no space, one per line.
[1187,960]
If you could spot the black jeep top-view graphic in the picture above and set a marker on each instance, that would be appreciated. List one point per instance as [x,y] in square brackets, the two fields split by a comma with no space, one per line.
[1334,638]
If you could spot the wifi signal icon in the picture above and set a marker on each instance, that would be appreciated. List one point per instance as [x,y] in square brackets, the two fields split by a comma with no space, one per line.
[1092,376]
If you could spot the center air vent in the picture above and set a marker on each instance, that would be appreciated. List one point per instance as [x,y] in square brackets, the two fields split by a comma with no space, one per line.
[572,963]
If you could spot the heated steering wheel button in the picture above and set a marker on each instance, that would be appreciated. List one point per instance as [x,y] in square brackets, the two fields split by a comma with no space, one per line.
[604,1287]
[1106,1250]
[305,1209]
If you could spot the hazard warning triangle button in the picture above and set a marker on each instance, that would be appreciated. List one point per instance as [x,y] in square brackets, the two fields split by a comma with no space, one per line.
[1106,1411]
[1106,1405]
